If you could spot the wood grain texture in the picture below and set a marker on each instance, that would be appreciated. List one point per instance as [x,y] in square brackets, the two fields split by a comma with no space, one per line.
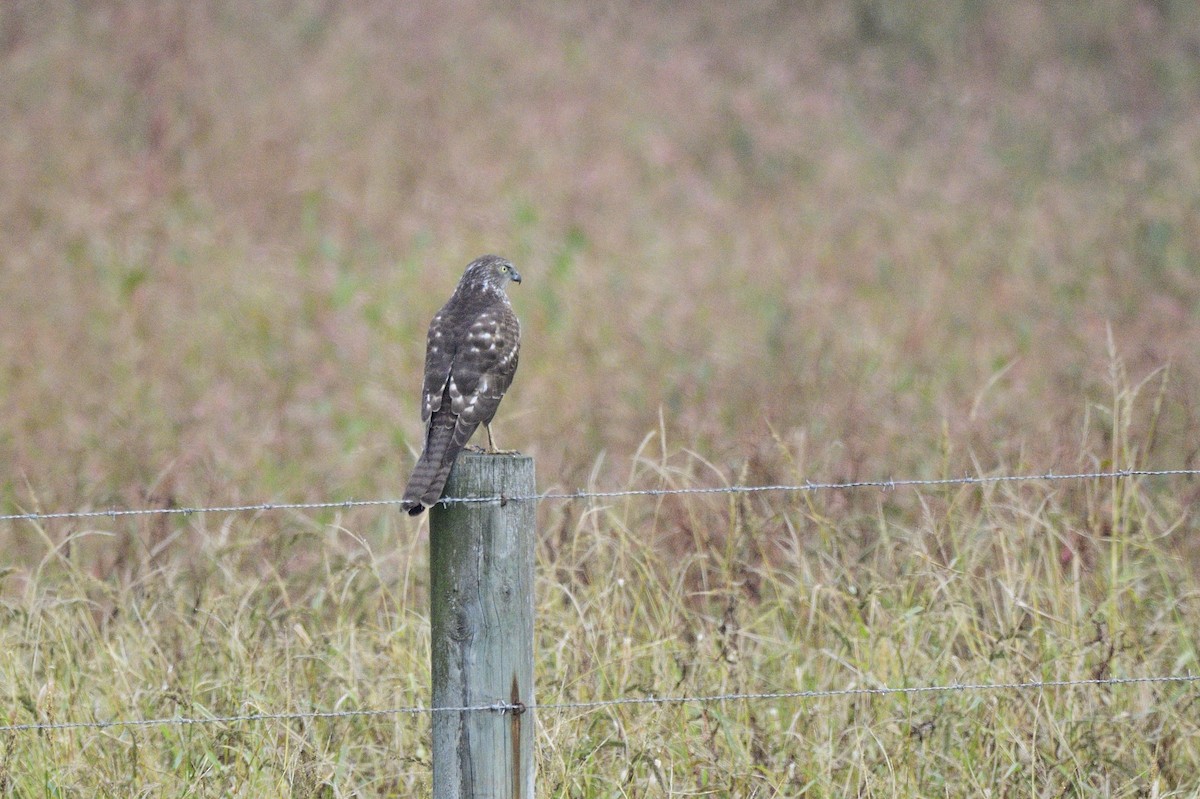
[481,623]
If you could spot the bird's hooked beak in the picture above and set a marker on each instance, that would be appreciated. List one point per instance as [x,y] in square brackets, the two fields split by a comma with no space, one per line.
[514,274]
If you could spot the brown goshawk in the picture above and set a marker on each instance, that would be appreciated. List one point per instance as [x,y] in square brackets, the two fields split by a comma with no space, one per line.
[470,359]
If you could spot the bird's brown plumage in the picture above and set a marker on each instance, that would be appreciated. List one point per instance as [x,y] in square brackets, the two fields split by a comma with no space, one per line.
[470,358]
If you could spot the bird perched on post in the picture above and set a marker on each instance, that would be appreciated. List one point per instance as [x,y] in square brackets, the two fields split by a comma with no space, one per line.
[470,358]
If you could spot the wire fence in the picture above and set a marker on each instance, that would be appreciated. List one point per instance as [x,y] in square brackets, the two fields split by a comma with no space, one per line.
[593,705]
[506,707]
[887,485]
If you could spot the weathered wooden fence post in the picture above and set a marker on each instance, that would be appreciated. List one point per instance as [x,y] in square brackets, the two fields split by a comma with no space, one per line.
[481,623]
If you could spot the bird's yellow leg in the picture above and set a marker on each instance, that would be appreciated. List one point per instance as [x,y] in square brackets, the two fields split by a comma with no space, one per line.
[491,447]
[491,450]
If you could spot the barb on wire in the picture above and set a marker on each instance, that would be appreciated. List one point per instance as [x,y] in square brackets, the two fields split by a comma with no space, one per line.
[882,691]
[506,707]
[181,721]
[888,485]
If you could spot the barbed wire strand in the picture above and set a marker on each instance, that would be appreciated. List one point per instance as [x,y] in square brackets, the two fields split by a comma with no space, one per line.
[506,707]
[265,507]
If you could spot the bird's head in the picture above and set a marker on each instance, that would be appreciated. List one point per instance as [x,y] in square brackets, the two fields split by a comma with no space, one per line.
[490,272]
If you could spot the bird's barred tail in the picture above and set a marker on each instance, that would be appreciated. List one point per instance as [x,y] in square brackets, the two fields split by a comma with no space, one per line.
[433,468]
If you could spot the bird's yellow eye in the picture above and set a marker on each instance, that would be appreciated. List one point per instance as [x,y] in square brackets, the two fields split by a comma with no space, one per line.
[503,267]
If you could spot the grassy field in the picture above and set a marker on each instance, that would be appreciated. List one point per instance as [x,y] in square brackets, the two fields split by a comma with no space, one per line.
[761,243]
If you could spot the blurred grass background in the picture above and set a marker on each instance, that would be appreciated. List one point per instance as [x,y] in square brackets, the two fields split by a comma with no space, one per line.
[761,242]
[880,228]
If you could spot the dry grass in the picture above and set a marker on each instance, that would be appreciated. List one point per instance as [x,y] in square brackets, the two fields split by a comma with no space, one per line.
[810,241]
[985,584]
